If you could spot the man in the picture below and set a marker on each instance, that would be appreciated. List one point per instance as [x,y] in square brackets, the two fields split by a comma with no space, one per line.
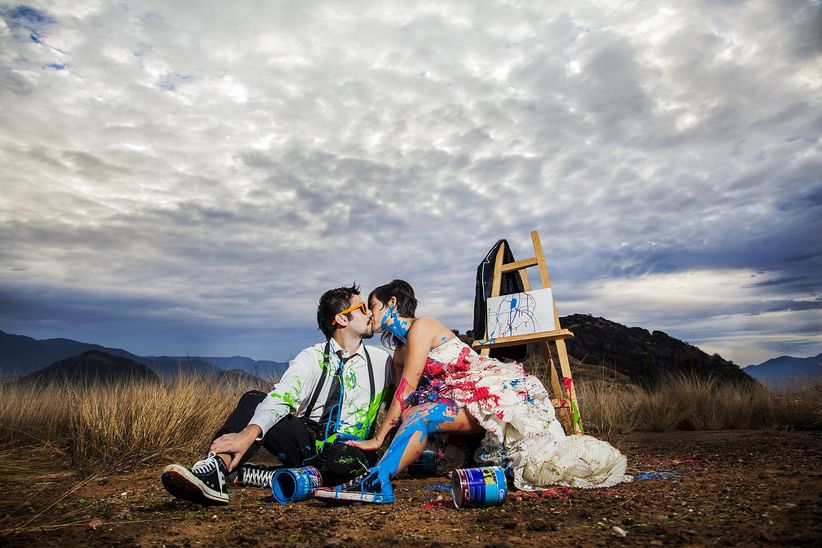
[336,389]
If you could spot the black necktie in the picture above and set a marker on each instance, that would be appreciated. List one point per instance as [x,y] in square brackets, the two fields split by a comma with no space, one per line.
[331,410]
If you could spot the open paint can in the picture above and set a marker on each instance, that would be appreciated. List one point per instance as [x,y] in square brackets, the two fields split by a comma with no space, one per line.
[425,465]
[294,484]
[473,487]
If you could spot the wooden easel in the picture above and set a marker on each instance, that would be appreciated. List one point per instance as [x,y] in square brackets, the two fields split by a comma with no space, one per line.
[566,400]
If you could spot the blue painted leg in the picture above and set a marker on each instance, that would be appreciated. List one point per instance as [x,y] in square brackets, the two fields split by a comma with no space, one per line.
[373,486]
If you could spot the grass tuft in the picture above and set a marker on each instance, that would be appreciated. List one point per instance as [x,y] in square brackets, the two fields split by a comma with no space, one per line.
[692,403]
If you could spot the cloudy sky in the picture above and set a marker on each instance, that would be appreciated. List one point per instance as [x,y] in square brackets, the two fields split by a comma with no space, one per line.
[189,180]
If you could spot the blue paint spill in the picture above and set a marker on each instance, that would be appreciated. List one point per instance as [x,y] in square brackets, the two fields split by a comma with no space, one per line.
[425,420]
[657,474]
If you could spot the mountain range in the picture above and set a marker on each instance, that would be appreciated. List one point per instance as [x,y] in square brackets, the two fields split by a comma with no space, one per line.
[787,371]
[646,357]
[21,355]
[630,353]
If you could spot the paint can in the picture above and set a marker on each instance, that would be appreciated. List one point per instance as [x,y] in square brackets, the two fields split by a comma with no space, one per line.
[425,465]
[472,487]
[295,484]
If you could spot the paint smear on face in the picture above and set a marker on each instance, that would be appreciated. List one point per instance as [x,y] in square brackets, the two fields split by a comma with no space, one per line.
[392,322]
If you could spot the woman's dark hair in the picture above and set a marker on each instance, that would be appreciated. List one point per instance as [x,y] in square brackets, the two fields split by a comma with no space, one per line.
[332,303]
[406,305]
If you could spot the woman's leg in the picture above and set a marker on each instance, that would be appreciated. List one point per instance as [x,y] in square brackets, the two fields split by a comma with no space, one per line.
[417,424]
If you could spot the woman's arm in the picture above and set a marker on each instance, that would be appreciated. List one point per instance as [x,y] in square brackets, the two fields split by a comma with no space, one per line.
[412,357]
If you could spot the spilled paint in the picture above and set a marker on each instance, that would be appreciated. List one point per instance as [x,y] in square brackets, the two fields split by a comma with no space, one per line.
[657,474]
[412,436]
[357,425]
[569,383]
[290,397]
[561,492]
[446,503]
[437,487]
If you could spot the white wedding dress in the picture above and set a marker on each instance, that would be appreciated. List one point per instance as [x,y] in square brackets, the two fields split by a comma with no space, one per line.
[522,431]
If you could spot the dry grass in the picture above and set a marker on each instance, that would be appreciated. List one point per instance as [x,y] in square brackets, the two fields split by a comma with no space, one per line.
[692,403]
[115,427]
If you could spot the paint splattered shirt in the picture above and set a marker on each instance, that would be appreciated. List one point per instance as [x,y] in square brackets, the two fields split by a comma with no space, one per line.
[293,392]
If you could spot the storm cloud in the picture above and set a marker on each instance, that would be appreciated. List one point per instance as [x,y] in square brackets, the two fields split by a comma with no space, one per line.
[191,180]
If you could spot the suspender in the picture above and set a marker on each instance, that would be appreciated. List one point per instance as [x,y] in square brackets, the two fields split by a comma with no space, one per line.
[370,375]
[316,394]
[373,390]
[326,362]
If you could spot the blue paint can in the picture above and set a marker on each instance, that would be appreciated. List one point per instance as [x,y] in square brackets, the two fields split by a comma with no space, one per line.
[473,487]
[425,465]
[295,484]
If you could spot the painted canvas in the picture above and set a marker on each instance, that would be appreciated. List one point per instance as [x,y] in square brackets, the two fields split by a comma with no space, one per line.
[520,313]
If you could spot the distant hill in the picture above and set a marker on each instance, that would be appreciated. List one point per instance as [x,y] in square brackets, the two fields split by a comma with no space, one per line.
[169,367]
[787,370]
[91,367]
[21,355]
[644,357]
[264,369]
[241,377]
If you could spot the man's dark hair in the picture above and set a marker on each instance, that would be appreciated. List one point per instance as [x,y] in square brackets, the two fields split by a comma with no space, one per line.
[332,303]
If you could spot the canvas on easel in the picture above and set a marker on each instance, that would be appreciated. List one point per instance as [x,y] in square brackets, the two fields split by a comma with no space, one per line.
[520,314]
[531,317]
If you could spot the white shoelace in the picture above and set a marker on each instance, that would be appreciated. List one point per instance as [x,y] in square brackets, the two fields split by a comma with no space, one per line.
[257,477]
[205,466]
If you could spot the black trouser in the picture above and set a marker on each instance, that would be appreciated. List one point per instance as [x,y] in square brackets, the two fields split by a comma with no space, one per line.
[293,441]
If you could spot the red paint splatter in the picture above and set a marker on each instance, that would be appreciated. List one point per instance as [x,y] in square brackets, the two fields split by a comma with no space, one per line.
[561,492]
[433,368]
[462,363]
[398,394]
[400,389]
[447,503]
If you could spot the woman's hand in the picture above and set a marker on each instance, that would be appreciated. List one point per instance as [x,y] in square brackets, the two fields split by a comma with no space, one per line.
[368,445]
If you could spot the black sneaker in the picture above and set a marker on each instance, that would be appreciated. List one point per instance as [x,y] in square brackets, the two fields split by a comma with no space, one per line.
[256,475]
[204,483]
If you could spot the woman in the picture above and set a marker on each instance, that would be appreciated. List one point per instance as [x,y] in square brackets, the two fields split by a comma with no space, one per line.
[447,387]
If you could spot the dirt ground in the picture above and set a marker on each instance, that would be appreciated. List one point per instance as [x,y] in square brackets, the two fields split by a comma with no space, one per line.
[700,488]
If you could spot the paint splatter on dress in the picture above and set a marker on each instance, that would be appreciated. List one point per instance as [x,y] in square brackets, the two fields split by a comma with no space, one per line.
[516,411]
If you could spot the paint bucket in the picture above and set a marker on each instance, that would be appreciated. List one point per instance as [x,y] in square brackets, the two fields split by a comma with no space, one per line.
[472,487]
[425,465]
[295,484]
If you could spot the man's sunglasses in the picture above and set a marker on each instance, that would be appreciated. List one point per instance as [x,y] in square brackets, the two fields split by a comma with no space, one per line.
[361,306]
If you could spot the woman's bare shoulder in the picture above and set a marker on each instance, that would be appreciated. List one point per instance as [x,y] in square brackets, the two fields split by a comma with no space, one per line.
[428,321]
[429,327]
